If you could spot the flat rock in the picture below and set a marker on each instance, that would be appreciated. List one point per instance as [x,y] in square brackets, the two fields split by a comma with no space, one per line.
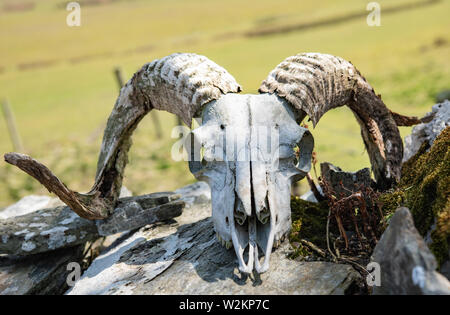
[38,274]
[53,228]
[27,205]
[343,183]
[44,273]
[427,131]
[184,257]
[134,212]
[407,265]
[44,230]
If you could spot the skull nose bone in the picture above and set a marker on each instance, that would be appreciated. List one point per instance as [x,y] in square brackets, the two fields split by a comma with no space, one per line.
[263,214]
[239,212]
[243,186]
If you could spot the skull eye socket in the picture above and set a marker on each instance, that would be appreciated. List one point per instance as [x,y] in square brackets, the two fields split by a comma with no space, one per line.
[288,151]
[300,152]
[305,145]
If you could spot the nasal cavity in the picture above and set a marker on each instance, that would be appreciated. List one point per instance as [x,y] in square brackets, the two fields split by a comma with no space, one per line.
[239,212]
[264,212]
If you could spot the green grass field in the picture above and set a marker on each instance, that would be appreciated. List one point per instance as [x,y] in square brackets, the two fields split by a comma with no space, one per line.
[59,79]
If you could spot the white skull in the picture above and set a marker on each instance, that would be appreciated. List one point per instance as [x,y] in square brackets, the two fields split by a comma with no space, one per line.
[244,150]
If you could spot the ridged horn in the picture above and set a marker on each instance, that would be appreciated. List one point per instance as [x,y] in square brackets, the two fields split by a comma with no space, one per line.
[180,84]
[314,83]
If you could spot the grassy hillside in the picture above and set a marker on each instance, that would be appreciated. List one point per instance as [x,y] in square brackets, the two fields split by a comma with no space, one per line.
[59,79]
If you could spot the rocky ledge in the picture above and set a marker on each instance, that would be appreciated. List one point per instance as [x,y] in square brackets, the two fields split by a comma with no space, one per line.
[184,257]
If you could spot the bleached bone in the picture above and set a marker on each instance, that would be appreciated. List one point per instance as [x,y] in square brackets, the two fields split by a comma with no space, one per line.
[251,197]
[250,186]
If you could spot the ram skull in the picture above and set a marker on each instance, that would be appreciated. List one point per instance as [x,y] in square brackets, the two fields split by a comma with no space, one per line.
[250,163]
[250,179]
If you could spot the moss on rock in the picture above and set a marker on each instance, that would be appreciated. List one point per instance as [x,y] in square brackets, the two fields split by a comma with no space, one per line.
[309,222]
[391,201]
[425,189]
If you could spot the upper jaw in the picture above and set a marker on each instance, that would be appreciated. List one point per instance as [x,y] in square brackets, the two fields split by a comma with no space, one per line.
[256,235]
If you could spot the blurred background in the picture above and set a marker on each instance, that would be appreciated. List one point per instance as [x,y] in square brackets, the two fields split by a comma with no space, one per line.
[59,81]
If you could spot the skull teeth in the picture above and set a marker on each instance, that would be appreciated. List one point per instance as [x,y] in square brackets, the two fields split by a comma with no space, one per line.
[224,243]
[279,241]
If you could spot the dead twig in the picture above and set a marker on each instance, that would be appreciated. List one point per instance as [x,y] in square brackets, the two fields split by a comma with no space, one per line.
[314,189]
[313,247]
[328,237]
[357,211]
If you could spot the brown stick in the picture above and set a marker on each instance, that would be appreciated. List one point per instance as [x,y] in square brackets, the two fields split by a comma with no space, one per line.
[314,189]
[313,247]
[341,230]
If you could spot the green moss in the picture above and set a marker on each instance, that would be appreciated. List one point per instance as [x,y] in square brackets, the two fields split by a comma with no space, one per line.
[309,222]
[390,201]
[425,189]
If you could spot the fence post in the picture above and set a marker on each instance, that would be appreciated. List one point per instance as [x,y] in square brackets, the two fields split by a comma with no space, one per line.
[12,128]
[119,77]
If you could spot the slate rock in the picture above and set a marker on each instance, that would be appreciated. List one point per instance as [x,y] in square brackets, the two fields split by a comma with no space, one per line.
[407,265]
[38,274]
[427,131]
[343,183]
[184,257]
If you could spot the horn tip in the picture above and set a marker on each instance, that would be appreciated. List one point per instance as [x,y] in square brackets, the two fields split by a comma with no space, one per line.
[12,157]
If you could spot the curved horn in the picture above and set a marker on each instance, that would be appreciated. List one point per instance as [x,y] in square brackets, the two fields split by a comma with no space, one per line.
[180,84]
[314,83]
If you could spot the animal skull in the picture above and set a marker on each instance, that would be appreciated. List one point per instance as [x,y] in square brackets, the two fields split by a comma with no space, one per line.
[245,145]
[250,163]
